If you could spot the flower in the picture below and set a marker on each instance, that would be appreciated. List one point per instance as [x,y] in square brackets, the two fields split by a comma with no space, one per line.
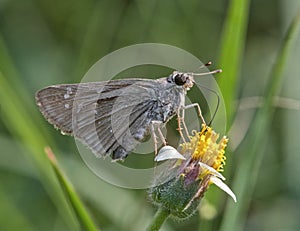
[196,166]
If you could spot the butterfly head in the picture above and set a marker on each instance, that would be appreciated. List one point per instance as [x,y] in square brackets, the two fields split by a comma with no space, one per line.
[181,79]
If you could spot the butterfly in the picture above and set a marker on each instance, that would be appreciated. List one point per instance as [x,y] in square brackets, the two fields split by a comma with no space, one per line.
[113,117]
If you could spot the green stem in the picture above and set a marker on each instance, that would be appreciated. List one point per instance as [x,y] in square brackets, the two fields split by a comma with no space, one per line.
[159,218]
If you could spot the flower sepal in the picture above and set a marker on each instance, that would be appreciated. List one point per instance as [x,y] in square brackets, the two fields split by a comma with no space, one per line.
[179,196]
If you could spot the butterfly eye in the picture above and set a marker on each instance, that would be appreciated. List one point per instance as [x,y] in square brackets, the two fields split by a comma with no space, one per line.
[180,79]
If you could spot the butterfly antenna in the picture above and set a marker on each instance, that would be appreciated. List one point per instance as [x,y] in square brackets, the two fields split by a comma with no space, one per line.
[207,73]
[218,101]
[212,91]
[204,65]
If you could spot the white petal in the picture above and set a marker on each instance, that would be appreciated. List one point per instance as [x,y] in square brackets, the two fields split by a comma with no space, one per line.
[213,171]
[167,153]
[223,186]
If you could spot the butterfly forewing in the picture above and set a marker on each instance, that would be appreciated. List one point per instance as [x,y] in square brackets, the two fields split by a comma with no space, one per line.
[55,103]
[109,117]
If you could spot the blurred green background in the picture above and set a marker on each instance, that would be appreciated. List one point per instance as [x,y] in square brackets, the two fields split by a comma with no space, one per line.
[50,42]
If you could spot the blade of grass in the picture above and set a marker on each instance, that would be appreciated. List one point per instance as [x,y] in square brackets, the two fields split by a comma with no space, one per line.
[231,53]
[232,47]
[246,174]
[23,126]
[80,211]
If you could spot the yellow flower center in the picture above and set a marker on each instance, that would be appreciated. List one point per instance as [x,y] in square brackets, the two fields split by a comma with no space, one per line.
[204,147]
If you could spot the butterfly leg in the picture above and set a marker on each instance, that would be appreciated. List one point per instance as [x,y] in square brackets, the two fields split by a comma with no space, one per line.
[184,124]
[154,137]
[179,129]
[156,124]
[181,120]
[198,108]
[161,135]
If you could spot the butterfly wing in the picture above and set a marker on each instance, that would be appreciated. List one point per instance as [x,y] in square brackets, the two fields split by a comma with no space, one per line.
[109,117]
[56,103]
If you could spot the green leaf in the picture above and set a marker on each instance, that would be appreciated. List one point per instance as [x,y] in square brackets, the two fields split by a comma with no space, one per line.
[231,53]
[80,211]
